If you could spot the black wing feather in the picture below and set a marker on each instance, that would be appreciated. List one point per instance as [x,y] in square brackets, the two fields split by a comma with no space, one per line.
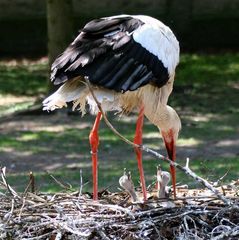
[103,25]
[106,53]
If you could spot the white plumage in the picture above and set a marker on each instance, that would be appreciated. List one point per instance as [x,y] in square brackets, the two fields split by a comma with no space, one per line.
[158,39]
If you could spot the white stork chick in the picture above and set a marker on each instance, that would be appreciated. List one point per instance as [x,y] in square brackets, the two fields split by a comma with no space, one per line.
[163,179]
[126,183]
[130,62]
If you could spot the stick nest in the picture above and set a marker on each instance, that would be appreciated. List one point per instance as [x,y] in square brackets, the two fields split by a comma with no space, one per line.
[196,214]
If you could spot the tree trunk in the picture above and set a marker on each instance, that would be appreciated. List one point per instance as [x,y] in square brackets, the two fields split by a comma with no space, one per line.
[60,27]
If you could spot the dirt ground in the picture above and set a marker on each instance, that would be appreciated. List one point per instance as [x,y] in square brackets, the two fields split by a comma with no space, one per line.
[20,161]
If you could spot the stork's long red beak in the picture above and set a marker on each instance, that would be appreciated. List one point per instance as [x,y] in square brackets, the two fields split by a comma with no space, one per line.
[169,142]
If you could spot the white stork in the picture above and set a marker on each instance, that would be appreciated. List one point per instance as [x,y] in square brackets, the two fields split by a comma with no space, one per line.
[130,62]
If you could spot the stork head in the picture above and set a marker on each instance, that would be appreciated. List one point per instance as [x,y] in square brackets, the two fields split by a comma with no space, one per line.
[170,126]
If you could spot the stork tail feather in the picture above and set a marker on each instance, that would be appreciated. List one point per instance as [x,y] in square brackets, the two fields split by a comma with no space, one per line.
[76,91]
[72,90]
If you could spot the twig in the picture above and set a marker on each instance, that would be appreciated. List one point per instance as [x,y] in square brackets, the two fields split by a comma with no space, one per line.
[58,235]
[9,188]
[76,232]
[31,184]
[63,185]
[185,169]
[32,181]
[234,232]
[215,184]
[187,163]
[81,183]
[21,209]
[8,215]
[81,218]
[43,236]
[102,235]
[115,208]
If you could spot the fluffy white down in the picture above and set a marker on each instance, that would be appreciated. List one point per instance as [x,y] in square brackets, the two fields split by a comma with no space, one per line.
[107,99]
[68,92]
[77,92]
[158,39]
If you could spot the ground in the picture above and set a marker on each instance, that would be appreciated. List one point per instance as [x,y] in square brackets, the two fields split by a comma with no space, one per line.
[19,160]
[205,96]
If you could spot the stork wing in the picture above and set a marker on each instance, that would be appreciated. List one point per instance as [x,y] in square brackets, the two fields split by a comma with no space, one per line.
[106,52]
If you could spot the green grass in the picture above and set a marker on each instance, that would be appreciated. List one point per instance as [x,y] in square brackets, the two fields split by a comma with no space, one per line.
[207,83]
[27,78]
[205,95]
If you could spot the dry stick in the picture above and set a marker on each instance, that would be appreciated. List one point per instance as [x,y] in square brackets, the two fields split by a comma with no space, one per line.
[81,183]
[8,215]
[190,173]
[8,187]
[21,209]
[31,184]
[227,234]
[32,181]
[185,169]
[38,237]
[65,186]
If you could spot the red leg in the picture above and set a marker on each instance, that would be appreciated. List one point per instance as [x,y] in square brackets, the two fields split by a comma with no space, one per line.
[94,143]
[138,140]
[171,149]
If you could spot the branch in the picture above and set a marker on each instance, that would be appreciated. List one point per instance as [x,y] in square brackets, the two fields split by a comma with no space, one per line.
[185,169]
